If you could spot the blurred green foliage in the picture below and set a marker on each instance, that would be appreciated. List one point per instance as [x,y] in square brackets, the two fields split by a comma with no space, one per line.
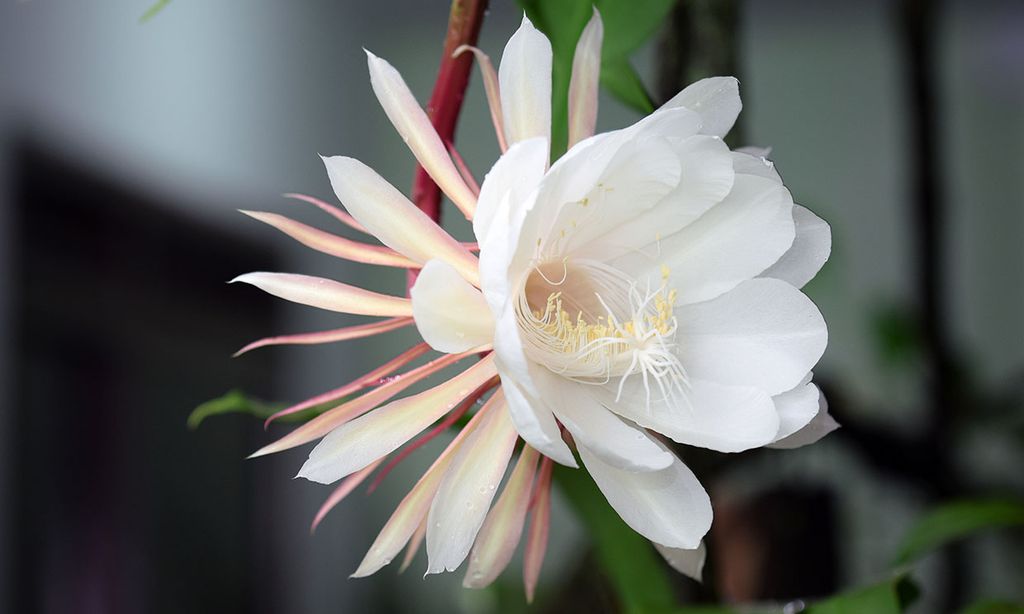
[957,520]
[152,11]
[236,402]
[633,567]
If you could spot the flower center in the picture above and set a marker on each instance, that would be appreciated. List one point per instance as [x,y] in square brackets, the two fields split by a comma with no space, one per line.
[591,323]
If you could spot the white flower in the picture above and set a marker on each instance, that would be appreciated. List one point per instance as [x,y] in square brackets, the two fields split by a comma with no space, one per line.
[646,283]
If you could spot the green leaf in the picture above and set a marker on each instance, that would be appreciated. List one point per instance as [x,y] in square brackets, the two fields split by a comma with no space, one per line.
[627,25]
[956,520]
[994,606]
[152,11]
[620,79]
[235,402]
[633,566]
[892,596]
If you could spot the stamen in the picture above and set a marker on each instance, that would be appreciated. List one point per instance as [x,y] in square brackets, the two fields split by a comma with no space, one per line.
[621,332]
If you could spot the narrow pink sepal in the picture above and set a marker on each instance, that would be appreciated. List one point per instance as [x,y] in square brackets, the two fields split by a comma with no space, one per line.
[540,524]
[373,378]
[332,244]
[414,545]
[411,513]
[467,175]
[330,209]
[329,336]
[333,418]
[583,84]
[327,294]
[490,77]
[441,427]
[415,128]
[347,486]
[503,528]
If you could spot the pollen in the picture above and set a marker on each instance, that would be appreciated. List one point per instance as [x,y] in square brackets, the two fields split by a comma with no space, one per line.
[635,338]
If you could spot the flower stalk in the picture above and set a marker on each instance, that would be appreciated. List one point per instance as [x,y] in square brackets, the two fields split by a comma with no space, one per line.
[464,23]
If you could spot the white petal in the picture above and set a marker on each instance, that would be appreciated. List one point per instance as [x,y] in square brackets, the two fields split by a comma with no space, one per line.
[809,252]
[512,178]
[418,132]
[586,71]
[763,333]
[411,513]
[822,424]
[451,315]
[757,164]
[358,443]
[497,540]
[536,424]
[796,407]
[690,562]
[706,178]
[327,294]
[616,442]
[668,507]
[716,99]
[525,80]
[392,218]
[733,242]
[641,173]
[713,416]
[465,495]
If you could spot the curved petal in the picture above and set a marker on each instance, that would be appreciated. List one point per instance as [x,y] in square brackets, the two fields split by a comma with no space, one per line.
[536,424]
[497,540]
[469,485]
[359,442]
[516,173]
[706,178]
[809,252]
[586,72]
[710,415]
[640,174]
[763,333]
[690,562]
[393,219]
[822,424]
[451,315]
[733,242]
[716,99]
[668,507]
[796,407]
[418,132]
[612,439]
[524,77]
[327,294]
[757,164]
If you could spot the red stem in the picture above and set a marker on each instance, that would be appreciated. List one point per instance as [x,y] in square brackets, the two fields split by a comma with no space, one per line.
[464,23]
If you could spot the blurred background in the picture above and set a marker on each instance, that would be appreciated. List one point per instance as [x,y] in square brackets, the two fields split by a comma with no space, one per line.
[126,148]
